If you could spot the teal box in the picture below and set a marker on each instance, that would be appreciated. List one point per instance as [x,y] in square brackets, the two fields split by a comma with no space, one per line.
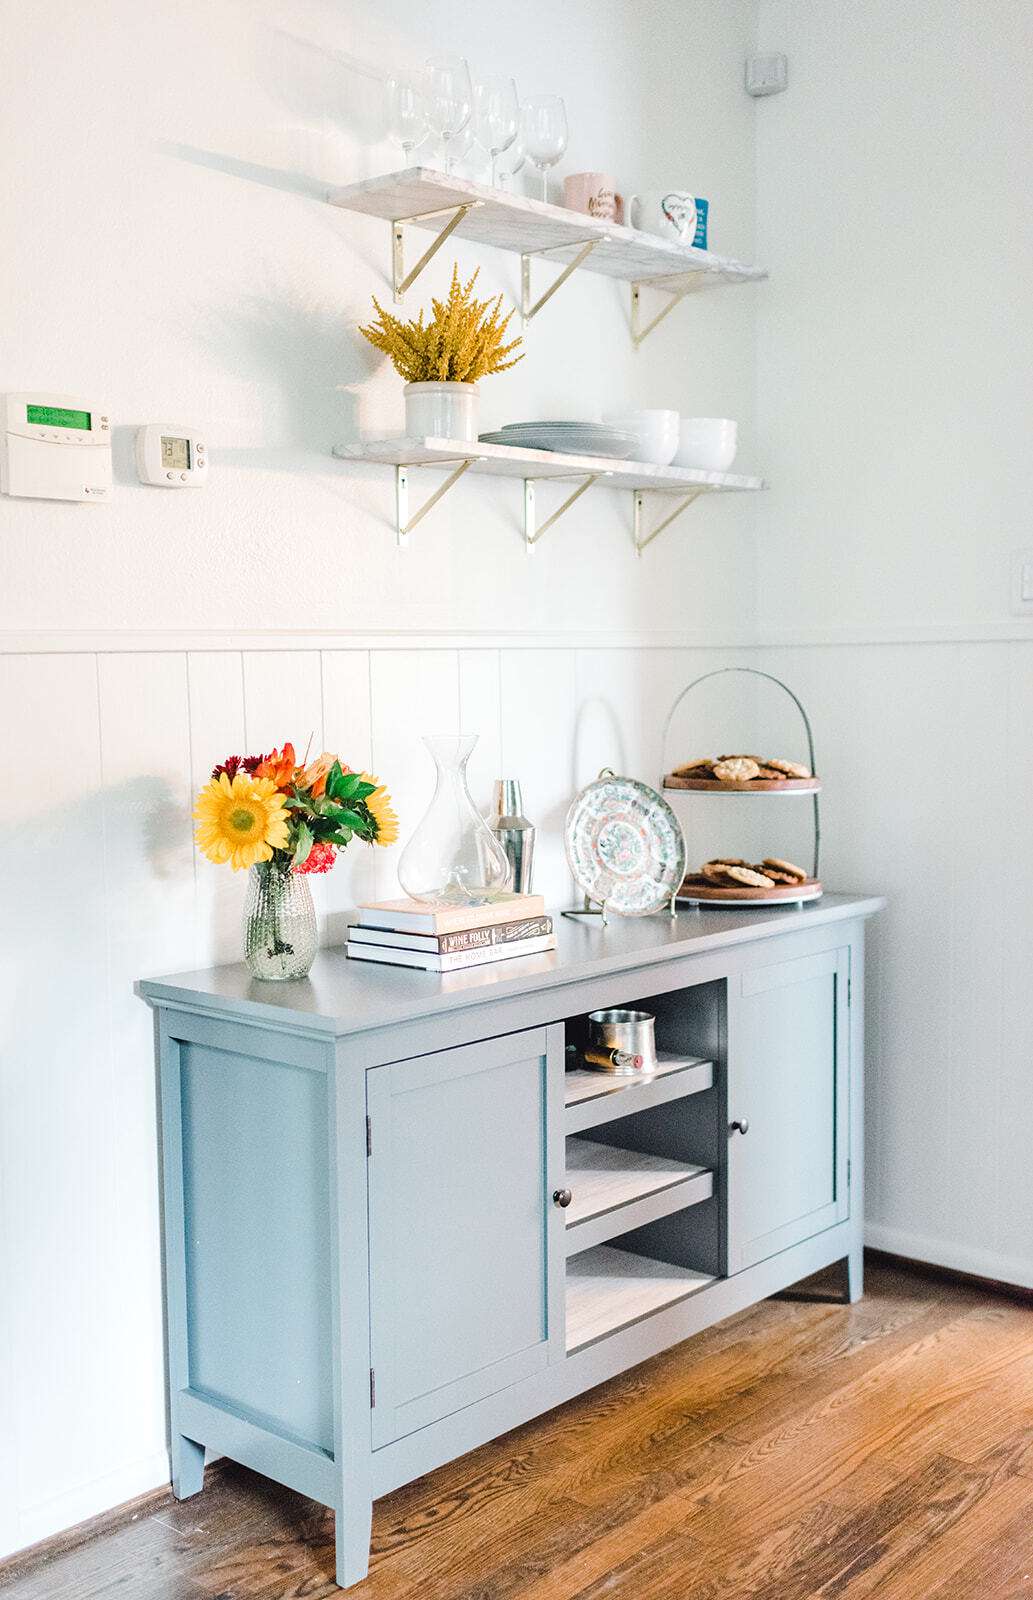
[702,216]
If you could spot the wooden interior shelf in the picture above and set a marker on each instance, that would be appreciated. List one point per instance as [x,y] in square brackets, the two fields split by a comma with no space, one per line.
[593,1098]
[505,461]
[616,1190]
[609,1289]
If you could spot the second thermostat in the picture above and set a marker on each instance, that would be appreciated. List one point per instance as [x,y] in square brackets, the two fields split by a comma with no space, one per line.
[171,457]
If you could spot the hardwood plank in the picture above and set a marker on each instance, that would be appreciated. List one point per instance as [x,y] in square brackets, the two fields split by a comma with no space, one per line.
[803,1448]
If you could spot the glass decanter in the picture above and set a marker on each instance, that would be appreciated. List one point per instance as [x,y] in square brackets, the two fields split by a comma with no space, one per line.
[453,858]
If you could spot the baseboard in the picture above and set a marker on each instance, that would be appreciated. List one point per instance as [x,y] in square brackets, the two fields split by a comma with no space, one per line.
[954,1257]
[88,1502]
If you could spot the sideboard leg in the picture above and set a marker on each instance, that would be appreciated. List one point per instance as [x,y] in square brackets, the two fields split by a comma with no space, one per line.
[187,1467]
[352,1535]
[855,1275]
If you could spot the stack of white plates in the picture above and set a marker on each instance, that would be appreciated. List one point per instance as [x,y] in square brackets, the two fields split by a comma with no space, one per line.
[570,438]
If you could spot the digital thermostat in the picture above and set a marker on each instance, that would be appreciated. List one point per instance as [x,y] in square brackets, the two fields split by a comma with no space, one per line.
[55,447]
[171,457]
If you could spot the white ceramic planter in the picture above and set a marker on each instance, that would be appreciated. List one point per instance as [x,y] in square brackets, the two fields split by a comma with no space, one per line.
[441,410]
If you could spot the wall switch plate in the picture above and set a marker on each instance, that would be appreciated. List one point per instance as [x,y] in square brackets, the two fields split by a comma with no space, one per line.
[766,74]
[1022,583]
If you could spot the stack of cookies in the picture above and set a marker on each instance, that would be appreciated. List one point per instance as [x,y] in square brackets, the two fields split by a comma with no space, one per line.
[744,769]
[731,872]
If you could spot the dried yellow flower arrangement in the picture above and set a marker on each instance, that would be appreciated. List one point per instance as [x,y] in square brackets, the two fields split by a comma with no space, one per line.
[460,344]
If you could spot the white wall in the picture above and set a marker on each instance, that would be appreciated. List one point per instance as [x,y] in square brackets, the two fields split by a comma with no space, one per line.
[895,346]
[167,248]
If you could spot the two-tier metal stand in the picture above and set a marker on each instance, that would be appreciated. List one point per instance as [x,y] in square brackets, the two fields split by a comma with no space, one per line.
[783,894]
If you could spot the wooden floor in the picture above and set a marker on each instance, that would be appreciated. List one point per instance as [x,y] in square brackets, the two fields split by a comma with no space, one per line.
[802,1448]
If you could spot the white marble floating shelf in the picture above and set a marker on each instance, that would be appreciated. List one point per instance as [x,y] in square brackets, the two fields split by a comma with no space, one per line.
[505,461]
[530,227]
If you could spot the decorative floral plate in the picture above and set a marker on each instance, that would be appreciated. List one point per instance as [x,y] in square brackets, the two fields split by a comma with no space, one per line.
[624,846]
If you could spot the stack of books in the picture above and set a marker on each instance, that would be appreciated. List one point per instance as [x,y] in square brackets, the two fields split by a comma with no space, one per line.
[408,933]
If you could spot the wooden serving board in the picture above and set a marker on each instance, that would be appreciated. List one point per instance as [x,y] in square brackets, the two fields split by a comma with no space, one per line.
[745,786]
[694,888]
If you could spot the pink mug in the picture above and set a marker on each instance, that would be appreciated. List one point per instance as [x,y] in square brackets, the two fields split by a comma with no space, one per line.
[593,193]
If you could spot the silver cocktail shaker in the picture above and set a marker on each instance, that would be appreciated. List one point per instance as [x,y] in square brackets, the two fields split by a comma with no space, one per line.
[514,833]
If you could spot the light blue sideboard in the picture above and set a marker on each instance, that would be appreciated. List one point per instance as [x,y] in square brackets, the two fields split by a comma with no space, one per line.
[395,1226]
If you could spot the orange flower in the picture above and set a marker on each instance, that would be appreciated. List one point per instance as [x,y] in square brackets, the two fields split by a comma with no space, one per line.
[314,776]
[278,766]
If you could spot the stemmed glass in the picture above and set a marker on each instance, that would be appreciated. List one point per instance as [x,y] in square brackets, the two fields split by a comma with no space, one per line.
[449,99]
[496,115]
[545,133]
[516,156]
[406,113]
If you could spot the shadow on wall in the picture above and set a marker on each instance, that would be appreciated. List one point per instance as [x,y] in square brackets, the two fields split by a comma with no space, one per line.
[311,358]
[313,80]
[598,743]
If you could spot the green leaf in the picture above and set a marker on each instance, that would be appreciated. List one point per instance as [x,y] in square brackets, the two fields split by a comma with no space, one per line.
[303,844]
[362,791]
[342,837]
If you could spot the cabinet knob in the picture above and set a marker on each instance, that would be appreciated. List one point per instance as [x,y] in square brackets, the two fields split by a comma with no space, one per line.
[562,1198]
[741,1125]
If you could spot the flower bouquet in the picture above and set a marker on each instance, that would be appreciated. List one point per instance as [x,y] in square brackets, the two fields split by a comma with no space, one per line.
[284,821]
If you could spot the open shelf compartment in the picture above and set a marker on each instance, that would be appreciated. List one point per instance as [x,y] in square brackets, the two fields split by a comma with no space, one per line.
[609,1289]
[616,1190]
[593,1098]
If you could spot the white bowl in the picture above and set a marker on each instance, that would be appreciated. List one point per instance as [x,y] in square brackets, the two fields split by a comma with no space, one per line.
[656,431]
[707,443]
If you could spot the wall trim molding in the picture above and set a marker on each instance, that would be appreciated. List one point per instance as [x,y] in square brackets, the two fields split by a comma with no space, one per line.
[132,641]
[71,641]
[955,1257]
[53,1519]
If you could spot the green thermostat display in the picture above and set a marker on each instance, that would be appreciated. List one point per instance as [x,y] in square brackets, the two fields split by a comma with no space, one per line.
[58,417]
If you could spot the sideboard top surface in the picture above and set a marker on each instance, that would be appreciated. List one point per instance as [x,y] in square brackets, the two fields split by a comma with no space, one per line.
[345,997]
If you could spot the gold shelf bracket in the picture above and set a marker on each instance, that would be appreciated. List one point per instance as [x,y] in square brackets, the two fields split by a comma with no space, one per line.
[638,505]
[532,532]
[529,310]
[402,280]
[404,523]
[676,296]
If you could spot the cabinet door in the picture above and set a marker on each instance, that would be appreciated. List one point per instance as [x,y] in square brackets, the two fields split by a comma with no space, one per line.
[467,1246]
[788,1077]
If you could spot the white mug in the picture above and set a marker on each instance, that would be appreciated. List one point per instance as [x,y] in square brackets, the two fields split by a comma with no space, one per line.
[671,213]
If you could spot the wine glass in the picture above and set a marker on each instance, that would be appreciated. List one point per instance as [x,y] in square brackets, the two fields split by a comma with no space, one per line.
[545,133]
[516,157]
[449,99]
[496,115]
[406,113]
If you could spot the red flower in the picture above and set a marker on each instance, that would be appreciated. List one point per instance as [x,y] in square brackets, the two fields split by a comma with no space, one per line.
[320,858]
[234,764]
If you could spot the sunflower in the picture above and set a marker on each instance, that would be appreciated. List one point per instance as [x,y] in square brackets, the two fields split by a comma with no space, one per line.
[240,820]
[378,804]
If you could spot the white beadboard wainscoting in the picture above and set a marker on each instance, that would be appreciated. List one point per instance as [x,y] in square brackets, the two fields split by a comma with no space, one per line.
[103,885]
